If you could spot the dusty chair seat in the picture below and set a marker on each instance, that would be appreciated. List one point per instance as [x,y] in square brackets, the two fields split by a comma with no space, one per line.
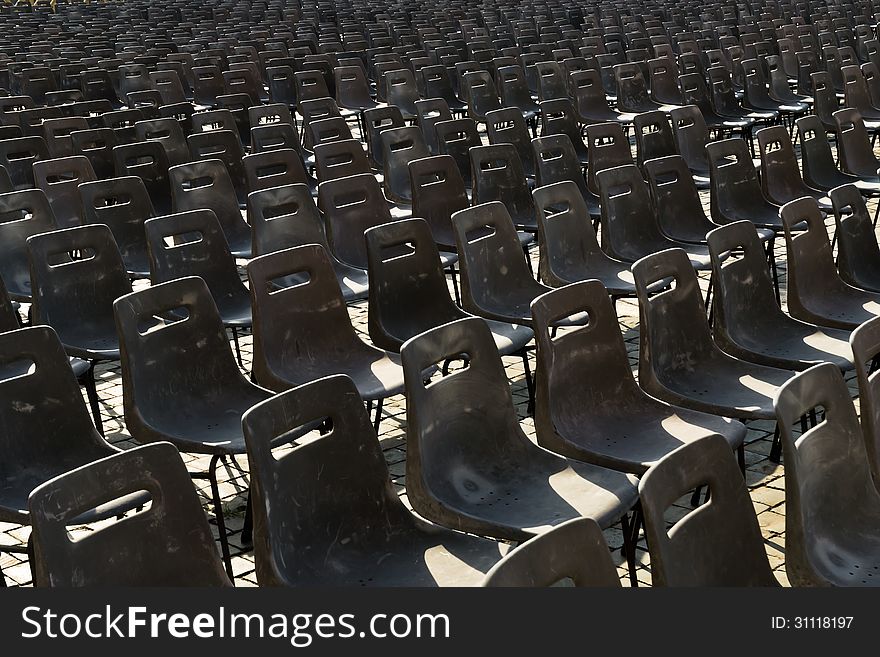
[680,363]
[574,550]
[303,332]
[816,292]
[325,513]
[170,544]
[469,464]
[589,407]
[748,321]
[832,511]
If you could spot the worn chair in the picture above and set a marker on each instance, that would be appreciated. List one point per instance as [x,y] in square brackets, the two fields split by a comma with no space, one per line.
[865,344]
[608,147]
[338,159]
[507,126]
[856,155]
[302,331]
[400,146]
[588,405]
[720,544]
[146,160]
[198,248]
[18,155]
[282,166]
[48,430]
[817,161]
[691,136]
[471,467]
[832,505]
[207,185]
[556,161]
[22,214]
[325,512]
[574,550]
[781,179]
[498,176]
[183,384]
[815,291]
[169,544]
[286,216]
[455,138]
[59,179]
[858,255]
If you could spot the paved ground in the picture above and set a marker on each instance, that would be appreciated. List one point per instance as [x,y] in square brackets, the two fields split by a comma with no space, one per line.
[765,479]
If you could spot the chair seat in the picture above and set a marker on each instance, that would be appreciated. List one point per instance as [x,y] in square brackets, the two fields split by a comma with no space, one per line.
[235,308]
[353,282]
[90,347]
[841,307]
[424,556]
[635,432]
[794,345]
[852,558]
[509,338]
[240,245]
[721,385]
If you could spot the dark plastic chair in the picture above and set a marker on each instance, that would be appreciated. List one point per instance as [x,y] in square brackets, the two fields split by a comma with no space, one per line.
[480,94]
[832,505]
[400,146]
[558,118]
[588,405]
[590,101]
[146,160]
[781,179]
[338,159]
[630,226]
[557,161]
[816,292]
[22,214]
[56,132]
[819,170]
[401,91]
[207,185]
[720,544]
[376,121]
[607,147]
[181,380]
[748,322]
[352,88]
[632,90]
[286,216]
[408,291]
[59,179]
[326,514]
[469,464]
[854,146]
[302,332]
[97,144]
[223,145]
[168,133]
[865,343]
[170,544]
[858,256]
[48,430]
[825,101]
[678,360]
[507,126]
[455,138]
[282,166]
[18,156]
[514,90]
[654,137]
[498,176]
[735,192]
[429,113]
[691,136]
[438,193]
[574,550]
[198,248]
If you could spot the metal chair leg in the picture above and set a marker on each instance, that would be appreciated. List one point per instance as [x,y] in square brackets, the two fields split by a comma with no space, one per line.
[211,476]
[237,346]
[530,384]
[378,420]
[94,402]
[630,536]
[776,447]
[247,528]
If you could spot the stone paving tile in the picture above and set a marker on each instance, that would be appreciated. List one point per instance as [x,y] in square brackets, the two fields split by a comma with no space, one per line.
[765,479]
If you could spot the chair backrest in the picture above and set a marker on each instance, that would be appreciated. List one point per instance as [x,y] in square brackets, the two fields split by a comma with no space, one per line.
[865,343]
[399,147]
[817,160]
[735,192]
[376,120]
[574,550]
[283,217]
[455,138]
[825,101]
[858,255]
[401,90]
[18,156]
[828,485]
[183,362]
[780,177]
[350,206]
[408,291]
[124,205]
[429,112]
[325,496]
[168,133]
[438,193]
[59,179]
[22,214]
[551,81]
[507,126]
[338,159]
[491,257]
[148,161]
[717,544]
[855,89]
[608,147]
[168,544]
[56,132]
[854,145]
[674,325]
[558,117]
[664,80]
[282,166]
[676,199]
[632,88]
[498,176]
[74,294]
[629,218]
[97,144]
[654,137]
[223,145]
[556,161]
[48,427]
[481,94]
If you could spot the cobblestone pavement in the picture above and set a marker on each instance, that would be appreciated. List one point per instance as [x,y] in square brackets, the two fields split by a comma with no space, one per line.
[765,479]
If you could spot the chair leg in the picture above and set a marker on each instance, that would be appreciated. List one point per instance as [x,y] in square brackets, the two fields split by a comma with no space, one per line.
[94,402]
[455,289]
[774,271]
[741,459]
[530,384]
[237,346]
[630,538]
[776,447]
[378,419]
[247,528]
[218,514]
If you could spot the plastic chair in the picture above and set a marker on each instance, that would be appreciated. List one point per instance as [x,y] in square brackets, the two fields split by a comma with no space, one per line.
[286,216]
[858,256]
[56,132]
[438,193]
[48,429]
[507,126]
[557,162]
[168,133]
[832,506]
[719,544]
[748,322]
[558,117]
[590,101]
[865,345]
[498,176]
[691,136]
[338,159]
[481,95]
[401,91]
[428,114]
[819,170]
[654,137]
[302,332]
[409,294]
[815,291]
[170,544]
[632,90]
[97,144]
[223,145]
[588,405]
[18,156]
[23,213]
[325,513]
[607,147]
[352,88]
[198,248]
[455,138]
[514,90]
[376,121]
[207,185]
[574,550]
[678,360]
[856,156]
[469,464]
[274,168]
[630,227]
[59,179]
[400,146]
[781,180]
[183,384]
